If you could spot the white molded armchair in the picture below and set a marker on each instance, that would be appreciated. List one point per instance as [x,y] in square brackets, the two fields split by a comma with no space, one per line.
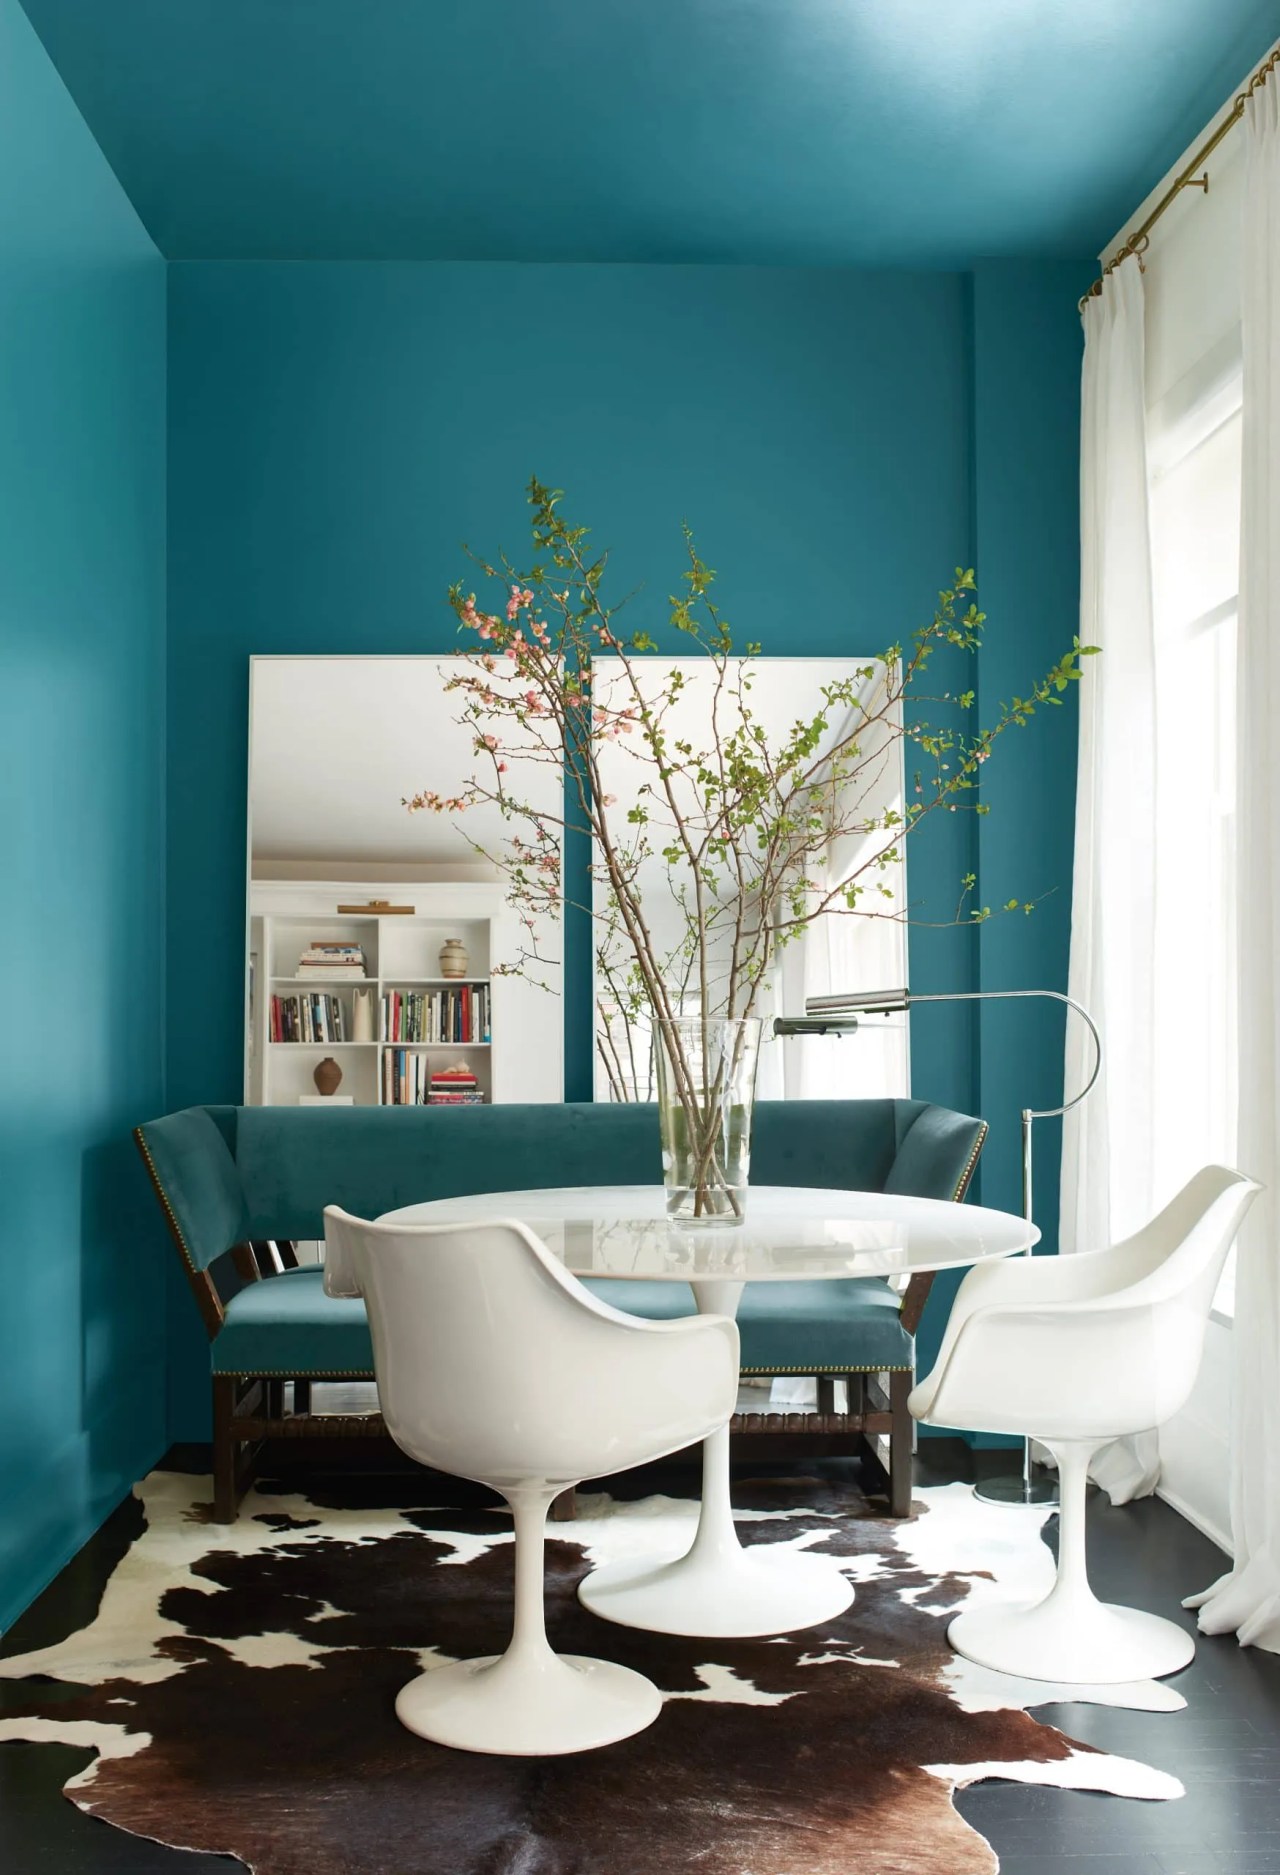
[1075,1351]
[494,1363]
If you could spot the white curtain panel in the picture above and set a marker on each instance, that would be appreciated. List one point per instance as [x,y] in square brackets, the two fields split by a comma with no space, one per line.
[1107,1152]
[1247,1599]
[790,1069]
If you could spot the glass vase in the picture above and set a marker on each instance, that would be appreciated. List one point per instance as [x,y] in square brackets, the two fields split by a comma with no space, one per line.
[706,1093]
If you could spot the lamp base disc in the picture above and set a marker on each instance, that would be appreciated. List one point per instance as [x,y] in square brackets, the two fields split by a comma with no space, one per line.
[1013,1488]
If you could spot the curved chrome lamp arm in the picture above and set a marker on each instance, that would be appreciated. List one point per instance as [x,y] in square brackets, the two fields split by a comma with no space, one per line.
[837,1014]
[1031,1114]
[1045,1113]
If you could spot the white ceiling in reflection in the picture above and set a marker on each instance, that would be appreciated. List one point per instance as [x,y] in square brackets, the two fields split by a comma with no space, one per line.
[336,745]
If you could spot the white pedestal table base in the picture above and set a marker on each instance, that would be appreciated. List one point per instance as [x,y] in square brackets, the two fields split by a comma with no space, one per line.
[717,1588]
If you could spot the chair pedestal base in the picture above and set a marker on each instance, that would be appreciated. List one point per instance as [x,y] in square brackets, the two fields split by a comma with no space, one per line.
[1071,1636]
[1074,1640]
[733,1594]
[528,1703]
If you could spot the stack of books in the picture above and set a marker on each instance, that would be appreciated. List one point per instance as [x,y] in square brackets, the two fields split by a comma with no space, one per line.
[310,1017]
[407,1081]
[332,957]
[454,1087]
[460,1015]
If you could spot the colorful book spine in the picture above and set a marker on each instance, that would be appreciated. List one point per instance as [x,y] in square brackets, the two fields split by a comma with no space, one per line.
[311,1017]
[453,1015]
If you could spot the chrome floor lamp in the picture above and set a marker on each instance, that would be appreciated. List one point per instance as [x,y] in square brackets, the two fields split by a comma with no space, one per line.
[838,1015]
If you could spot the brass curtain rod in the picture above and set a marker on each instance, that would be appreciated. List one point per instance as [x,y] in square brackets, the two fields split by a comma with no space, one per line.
[1187,178]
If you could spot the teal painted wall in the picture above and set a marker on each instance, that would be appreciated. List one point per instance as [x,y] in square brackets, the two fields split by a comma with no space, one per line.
[1026,371]
[82,552]
[337,430]
[1025,349]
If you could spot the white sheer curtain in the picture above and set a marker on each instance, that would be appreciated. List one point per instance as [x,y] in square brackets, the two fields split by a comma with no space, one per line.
[1247,1598]
[1107,1143]
[839,952]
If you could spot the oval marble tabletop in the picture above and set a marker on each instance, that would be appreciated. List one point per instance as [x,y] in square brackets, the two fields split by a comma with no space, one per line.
[789,1232]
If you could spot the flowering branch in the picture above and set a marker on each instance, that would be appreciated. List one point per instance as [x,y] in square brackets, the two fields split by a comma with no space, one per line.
[742,826]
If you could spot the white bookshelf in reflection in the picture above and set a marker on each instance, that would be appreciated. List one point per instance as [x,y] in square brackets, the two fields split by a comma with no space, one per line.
[503,1030]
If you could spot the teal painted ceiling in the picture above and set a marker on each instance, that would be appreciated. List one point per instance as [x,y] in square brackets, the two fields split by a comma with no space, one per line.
[824,132]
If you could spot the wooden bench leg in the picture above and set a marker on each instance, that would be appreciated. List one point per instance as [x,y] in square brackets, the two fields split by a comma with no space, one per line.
[225,1496]
[565,1508]
[235,1460]
[900,1441]
[302,1396]
[826,1393]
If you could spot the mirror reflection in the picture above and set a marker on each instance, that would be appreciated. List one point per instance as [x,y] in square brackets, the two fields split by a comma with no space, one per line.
[379,940]
[375,935]
[705,708]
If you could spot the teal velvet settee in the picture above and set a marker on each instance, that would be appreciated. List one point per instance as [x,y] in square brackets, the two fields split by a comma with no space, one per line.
[239,1186]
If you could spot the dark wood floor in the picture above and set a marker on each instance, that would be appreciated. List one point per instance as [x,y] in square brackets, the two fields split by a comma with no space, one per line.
[1225,1747]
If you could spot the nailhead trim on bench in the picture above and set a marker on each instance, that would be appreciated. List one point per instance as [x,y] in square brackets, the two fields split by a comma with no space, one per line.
[365,1373]
[163,1196]
[967,1174]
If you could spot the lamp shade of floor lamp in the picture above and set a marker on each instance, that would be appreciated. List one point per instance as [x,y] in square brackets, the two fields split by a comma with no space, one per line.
[838,1014]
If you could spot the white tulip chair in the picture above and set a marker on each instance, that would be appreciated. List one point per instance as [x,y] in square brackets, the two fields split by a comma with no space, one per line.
[1075,1351]
[494,1363]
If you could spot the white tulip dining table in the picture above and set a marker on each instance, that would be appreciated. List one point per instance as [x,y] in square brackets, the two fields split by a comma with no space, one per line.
[716,1588]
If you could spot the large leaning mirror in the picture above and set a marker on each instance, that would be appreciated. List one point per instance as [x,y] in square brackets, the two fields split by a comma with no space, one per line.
[704,707]
[376,935]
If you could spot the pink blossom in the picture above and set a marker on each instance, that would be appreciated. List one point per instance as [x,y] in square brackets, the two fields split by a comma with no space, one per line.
[490,742]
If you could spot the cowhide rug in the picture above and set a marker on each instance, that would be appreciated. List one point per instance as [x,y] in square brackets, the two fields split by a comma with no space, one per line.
[237,1685]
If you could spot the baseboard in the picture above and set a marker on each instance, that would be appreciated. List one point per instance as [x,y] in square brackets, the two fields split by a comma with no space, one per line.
[976,1441]
[45,1525]
[1201,1523]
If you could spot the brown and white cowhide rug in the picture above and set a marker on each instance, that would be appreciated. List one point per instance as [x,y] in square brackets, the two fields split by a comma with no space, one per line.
[238,1686]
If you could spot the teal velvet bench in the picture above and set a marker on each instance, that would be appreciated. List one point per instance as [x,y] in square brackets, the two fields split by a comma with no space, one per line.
[239,1186]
